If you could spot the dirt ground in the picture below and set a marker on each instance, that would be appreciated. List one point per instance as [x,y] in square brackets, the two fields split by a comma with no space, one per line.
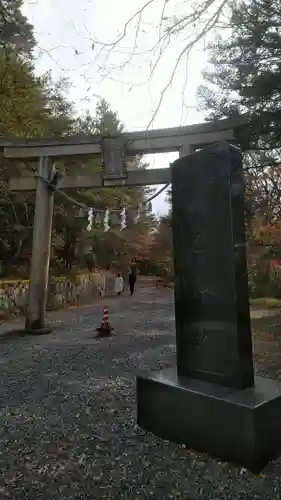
[68,410]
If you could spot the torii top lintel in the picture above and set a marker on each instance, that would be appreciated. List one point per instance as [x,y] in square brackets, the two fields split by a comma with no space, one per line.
[150,141]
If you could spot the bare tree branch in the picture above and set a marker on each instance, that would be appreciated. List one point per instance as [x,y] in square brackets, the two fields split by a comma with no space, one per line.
[197,20]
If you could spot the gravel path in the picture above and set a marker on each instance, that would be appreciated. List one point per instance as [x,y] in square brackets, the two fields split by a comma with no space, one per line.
[68,422]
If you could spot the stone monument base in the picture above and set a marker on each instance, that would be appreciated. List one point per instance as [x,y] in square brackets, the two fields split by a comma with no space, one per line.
[241,426]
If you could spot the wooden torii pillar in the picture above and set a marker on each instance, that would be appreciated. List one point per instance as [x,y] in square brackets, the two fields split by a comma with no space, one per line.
[112,151]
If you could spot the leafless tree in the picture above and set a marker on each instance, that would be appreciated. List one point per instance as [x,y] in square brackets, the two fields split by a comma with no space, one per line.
[186,23]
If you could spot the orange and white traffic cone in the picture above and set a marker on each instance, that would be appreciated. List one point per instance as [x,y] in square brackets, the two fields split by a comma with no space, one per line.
[106,328]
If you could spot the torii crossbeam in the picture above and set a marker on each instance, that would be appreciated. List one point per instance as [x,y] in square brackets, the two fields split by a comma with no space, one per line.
[112,152]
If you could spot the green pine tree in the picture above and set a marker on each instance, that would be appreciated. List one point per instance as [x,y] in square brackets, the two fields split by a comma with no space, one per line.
[29,107]
[246,72]
[113,247]
[246,78]
[16,32]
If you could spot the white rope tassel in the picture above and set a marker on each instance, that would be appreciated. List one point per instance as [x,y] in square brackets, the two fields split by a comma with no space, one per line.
[90,219]
[106,221]
[123,219]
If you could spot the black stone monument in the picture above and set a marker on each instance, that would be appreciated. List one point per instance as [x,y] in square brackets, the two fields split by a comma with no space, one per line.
[211,401]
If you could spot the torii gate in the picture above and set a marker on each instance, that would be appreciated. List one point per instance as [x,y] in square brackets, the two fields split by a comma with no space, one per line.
[112,151]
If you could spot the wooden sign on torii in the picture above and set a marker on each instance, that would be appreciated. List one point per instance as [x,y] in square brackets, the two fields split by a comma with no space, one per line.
[112,151]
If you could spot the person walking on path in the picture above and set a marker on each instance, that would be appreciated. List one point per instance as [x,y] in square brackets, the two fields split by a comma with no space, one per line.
[132,281]
[118,284]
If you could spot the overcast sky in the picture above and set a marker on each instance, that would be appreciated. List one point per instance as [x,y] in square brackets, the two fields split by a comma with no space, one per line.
[68,32]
